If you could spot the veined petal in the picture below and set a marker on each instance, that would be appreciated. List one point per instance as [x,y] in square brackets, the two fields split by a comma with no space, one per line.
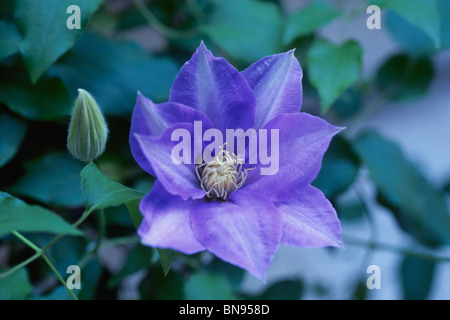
[309,220]
[215,88]
[276,82]
[166,222]
[245,230]
[177,178]
[150,119]
[303,140]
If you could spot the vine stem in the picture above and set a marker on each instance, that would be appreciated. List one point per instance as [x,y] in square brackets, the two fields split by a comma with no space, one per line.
[39,253]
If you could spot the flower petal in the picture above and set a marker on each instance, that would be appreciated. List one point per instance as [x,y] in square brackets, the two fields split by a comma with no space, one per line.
[303,140]
[166,222]
[245,230]
[152,119]
[178,179]
[276,82]
[309,220]
[215,88]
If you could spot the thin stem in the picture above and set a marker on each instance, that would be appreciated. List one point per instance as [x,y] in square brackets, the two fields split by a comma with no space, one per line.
[50,264]
[20,265]
[401,250]
[153,21]
[26,241]
[61,279]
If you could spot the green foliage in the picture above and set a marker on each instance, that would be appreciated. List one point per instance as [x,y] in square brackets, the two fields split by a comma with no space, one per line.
[115,73]
[404,78]
[422,14]
[247,29]
[333,68]
[17,215]
[419,208]
[53,179]
[10,40]
[205,286]
[45,35]
[417,278]
[12,131]
[101,192]
[308,19]
[16,287]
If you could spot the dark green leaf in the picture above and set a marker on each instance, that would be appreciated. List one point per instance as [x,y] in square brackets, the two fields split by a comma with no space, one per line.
[166,257]
[102,192]
[45,33]
[59,293]
[204,286]
[12,132]
[419,208]
[90,277]
[333,68]
[53,179]
[48,99]
[135,213]
[422,14]
[308,19]
[405,78]
[417,277]
[247,29]
[17,215]
[138,259]
[339,168]
[17,286]
[115,73]
[234,274]
[157,286]
[283,290]
[9,40]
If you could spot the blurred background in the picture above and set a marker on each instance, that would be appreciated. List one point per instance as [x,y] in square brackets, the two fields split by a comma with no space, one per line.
[383,75]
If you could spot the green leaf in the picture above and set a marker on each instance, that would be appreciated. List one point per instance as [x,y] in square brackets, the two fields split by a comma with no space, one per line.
[417,277]
[333,68]
[12,132]
[135,213]
[53,179]
[166,256]
[48,99]
[115,73]
[9,40]
[419,208]
[444,9]
[282,290]
[308,19]
[17,286]
[156,286]
[340,166]
[422,14]
[17,215]
[413,39]
[139,258]
[246,29]
[204,286]
[405,78]
[45,33]
[101,192]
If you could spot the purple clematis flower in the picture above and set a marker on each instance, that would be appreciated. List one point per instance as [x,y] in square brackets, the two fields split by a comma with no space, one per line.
[226,205]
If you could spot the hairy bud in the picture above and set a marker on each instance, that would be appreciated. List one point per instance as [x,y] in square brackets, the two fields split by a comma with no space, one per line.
[88,131]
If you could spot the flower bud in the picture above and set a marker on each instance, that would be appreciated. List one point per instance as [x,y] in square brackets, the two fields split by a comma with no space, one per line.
[87,130]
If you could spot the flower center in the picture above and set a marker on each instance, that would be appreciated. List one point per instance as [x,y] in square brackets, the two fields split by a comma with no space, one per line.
[222,175]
